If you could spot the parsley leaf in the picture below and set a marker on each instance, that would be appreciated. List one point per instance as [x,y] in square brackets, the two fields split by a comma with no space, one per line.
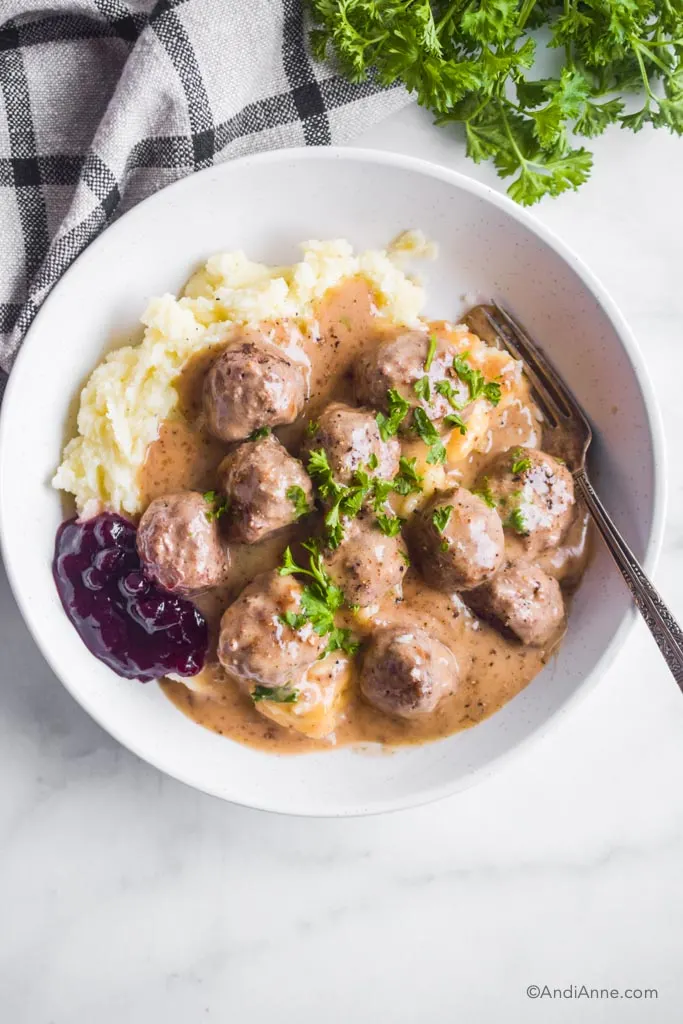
[389,525]
[218,508]
[453,420]
[475,380]
[278,694]
[431,352]
[445,388]
[516,521]
[260,432]
[441,517]
[312,427]
[341,640]
[407,480]
[520,461]
[485,493]
[298,498]
[398,410]
[293,620]
[428,433]
[422,389]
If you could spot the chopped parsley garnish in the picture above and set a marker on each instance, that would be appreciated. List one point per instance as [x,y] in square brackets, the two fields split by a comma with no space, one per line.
[428,433]
[320,599]
[445,388]
[407,480]
[441,516]
[431,351]
[406,557]
[341,639]
[478,386]
[311,427]
[257,434]
[381,489]
[485,493]
[398,410]
[520,462]
[278,694]
[517,522]
[298,498]
[422,389]
[454,420]
[373,461]
[217,510]
[345,502]
[293,620]
[389,525]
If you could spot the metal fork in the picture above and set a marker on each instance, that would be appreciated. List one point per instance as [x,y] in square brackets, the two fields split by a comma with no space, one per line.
[563,412]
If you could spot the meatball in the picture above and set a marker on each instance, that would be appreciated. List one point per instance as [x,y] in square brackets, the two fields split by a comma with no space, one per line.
[405,672]
[523,600]
[457,540]
[252,384]
[367,563]
[534,495]
[398,363]
[266,489]
[179,543]
[350,438]
[256,644]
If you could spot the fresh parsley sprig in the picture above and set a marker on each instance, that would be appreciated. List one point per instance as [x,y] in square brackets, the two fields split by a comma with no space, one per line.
[471,63]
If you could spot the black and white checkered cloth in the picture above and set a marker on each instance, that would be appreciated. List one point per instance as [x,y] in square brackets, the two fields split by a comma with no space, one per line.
[103,102]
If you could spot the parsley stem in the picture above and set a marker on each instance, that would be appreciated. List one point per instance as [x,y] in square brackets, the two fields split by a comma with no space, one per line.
[568,6]
[643,46]
[643,72]
[451,9]
[522,159]
[527,8]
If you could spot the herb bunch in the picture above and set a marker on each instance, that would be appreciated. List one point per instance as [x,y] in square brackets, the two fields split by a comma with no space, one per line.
[469,61]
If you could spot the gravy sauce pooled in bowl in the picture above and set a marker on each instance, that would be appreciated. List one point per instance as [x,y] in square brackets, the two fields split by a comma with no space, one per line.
[357,504]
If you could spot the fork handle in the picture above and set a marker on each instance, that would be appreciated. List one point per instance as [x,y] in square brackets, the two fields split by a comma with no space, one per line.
[660,621]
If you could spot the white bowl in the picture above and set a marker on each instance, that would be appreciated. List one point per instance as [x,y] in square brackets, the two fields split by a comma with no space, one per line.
[266,205]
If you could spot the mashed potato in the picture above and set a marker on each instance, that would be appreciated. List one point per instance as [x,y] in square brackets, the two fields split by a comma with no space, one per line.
[131,392]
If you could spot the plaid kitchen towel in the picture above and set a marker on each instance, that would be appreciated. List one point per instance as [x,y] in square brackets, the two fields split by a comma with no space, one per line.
[103,102]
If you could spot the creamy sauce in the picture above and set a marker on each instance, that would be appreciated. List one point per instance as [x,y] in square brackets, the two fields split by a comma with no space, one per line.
[496,668]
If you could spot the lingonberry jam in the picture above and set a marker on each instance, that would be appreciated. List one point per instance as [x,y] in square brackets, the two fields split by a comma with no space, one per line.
[134,626]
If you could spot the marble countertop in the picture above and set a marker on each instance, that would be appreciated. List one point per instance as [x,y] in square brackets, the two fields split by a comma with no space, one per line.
[127,898]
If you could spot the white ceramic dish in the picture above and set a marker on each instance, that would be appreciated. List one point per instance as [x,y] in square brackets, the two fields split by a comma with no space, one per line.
[266,205]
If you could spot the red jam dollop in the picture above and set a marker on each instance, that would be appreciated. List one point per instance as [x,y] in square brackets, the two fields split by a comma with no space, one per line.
[137,628]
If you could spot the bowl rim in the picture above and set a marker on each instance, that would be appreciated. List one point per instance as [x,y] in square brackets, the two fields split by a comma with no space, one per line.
[589,280]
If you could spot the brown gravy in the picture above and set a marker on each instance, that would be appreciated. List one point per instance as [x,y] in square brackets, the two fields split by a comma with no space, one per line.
[184,456]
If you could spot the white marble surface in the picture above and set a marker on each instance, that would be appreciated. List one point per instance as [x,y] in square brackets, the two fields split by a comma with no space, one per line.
[126,898]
